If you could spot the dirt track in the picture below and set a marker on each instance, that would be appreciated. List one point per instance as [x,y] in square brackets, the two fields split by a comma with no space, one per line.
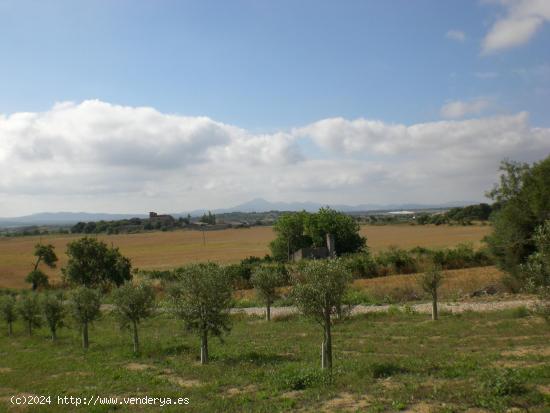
[458,307]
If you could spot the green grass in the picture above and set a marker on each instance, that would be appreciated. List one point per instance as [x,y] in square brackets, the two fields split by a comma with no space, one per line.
[383,362]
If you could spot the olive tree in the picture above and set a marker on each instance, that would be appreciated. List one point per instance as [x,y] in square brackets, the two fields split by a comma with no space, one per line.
[28,308]
[85,306]
[202,297]
[54,312]
[134,303]
[266,279]
[319,287]
[430,281]
[8,311]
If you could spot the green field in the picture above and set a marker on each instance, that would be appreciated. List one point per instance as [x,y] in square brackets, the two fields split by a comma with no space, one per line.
[383,362]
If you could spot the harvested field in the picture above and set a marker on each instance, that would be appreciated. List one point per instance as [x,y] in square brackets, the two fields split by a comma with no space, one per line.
[161,250]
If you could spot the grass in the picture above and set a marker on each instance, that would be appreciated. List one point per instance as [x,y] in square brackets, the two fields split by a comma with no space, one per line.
[383,362]
[165,250]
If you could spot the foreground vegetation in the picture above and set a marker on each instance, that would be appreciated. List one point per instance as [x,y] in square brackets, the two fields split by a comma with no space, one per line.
[383,362]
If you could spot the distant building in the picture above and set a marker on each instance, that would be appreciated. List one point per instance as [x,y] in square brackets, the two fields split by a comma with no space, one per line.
[316,253]
[163,219]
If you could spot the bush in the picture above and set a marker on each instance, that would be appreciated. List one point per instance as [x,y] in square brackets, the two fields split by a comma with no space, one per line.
[386,369]
[300,379]
[397,260]
[361,265]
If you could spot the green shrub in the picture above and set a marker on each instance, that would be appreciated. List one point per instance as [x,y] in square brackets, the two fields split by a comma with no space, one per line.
[520,312]
[385,369]
[300,378]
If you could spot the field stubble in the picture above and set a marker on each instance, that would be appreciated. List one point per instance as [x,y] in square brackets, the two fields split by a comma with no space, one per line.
[164,250]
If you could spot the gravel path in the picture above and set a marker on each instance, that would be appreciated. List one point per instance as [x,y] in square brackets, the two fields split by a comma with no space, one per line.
[420,308]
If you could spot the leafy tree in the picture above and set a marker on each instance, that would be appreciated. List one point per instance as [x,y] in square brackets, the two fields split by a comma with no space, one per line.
[38,279]
[319,288]
[202,297]
[266,279]
[430,281]
[85,304]
[93,264]
[54,312]
[28,308]
[209,218]
[44,254]
[8,311]
[343,227]
[524,197]
[133,303]
[302,229]
[536,271]
[290,228]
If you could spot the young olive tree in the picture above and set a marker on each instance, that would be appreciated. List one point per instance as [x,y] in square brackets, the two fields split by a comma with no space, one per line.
[28,308]
[8,311]
[319,287]
[44,254]
[85,306]
[202,297]
[430,281]
[134,303]
[266,279]
[54,312]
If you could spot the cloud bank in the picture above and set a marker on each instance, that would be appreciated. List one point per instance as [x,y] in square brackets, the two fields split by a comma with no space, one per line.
[97,156]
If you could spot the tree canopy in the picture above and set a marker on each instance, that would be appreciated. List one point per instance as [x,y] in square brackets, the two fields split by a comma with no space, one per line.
[303,229]
[93,264]
[202,297]
[524,198]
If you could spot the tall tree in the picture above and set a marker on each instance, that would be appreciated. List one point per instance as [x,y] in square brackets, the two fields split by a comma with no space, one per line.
[202,297]
[319,288]
[85,304]
[134,303]
[93,264]
[524,196]
[44,254]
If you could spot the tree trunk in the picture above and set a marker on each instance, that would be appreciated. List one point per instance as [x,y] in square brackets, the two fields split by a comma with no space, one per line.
[10,329]
[85,342]
[136,338]
[268,311]
[434,305]
[327,344]
[54,334]
[29,327]
[204,347]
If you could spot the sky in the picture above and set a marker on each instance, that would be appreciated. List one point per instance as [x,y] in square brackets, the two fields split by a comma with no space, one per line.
[130,106]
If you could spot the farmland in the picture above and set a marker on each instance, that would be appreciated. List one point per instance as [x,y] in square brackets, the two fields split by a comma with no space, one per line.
[383,362]
[163,250]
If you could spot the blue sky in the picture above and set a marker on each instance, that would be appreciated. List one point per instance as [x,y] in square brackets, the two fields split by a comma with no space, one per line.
[271,68]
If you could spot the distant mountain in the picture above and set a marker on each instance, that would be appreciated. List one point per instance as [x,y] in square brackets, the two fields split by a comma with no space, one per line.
[255,205]
[262,205]
[63,218]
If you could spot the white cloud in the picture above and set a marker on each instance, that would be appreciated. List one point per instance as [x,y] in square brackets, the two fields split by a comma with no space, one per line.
[458,109]
[456,35]
[95,156]
[522,20]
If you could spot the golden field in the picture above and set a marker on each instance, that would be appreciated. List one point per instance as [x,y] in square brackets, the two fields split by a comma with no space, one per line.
[162,250]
